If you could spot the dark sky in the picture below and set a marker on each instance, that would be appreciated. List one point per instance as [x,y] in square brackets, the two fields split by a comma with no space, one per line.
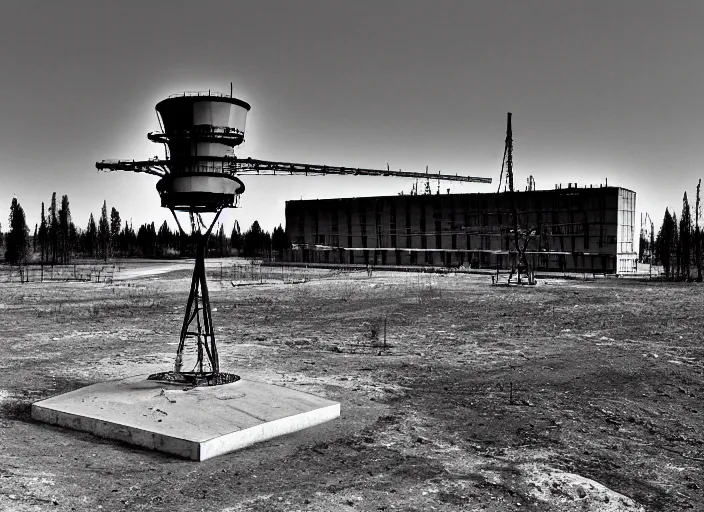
[597,89]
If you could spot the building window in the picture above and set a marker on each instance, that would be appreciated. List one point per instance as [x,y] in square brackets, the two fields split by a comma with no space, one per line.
[438,241]
[454,241]
[320,240]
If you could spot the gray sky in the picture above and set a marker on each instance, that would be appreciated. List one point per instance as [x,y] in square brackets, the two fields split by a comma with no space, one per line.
[597,89]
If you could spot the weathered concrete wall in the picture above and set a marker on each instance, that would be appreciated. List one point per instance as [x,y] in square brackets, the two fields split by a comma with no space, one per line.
[576,229]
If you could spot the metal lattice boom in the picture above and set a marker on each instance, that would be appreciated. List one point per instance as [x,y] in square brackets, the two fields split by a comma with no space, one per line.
[238,166]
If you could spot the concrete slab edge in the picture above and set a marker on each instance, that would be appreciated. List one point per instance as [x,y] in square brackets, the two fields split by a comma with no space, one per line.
[109,430]
[267,430]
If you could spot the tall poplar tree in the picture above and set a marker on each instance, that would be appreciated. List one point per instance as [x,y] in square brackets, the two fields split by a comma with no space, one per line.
[90,237]
[53,229]
[665,241]
[18,236]
[43,236]
[104,233]
[685,238]
[64,228]
[115,224]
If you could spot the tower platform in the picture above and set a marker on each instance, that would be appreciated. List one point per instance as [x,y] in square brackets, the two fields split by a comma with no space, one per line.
[197,423]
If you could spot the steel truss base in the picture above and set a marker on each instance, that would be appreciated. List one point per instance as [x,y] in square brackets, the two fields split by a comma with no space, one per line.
[195,378]
[198,325]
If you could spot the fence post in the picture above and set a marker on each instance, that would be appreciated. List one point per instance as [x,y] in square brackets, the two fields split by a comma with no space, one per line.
[385,318]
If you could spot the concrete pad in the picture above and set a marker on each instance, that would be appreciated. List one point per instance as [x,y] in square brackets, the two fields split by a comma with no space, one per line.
[197,423]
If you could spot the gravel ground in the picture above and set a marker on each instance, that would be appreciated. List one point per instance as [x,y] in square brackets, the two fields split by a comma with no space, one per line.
[570,395]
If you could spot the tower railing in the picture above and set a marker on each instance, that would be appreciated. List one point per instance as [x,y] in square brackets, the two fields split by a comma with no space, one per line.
[200,93]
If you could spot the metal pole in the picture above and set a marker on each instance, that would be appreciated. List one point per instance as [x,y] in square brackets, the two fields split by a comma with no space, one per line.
[385,319]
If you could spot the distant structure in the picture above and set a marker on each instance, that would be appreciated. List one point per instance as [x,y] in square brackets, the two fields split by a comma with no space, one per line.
[576,230]
[200,174]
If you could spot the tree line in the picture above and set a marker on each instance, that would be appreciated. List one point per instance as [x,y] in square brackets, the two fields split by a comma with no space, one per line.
[57,240]
[678,245]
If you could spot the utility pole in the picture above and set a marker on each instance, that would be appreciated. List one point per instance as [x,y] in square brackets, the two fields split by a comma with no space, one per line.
[651,242]
[508,165]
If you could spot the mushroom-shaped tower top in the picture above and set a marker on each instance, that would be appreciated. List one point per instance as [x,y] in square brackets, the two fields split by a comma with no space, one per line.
[222,116]
[200,130]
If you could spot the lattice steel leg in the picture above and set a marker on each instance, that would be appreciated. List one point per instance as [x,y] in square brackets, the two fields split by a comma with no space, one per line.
[198,325]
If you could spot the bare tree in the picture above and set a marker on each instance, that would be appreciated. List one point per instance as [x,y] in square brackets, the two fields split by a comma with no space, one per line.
[697,233]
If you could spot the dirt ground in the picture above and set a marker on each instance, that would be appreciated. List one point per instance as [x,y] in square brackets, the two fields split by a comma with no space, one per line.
[570,395]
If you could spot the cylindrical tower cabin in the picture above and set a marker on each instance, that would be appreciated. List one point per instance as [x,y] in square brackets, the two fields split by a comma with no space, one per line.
[200,131]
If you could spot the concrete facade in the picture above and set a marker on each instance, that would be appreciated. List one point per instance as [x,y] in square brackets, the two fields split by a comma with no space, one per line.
[577,230]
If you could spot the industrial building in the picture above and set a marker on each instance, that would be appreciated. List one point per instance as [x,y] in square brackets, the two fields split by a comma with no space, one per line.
[565,230]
